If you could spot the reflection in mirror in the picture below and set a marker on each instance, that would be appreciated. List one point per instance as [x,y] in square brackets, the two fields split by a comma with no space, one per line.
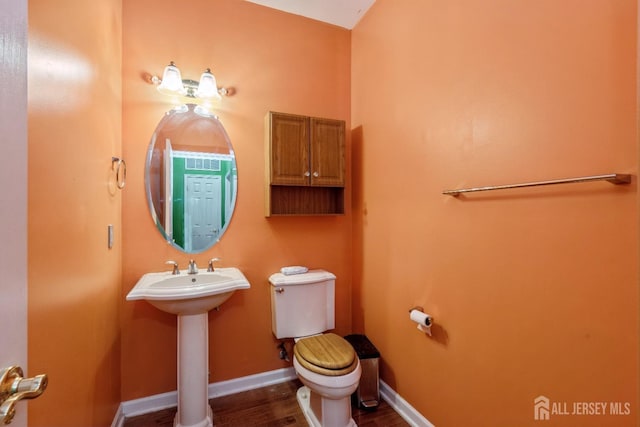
[191,178]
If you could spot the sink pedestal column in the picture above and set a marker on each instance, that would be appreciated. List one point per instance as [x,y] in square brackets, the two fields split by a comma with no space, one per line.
[193,371]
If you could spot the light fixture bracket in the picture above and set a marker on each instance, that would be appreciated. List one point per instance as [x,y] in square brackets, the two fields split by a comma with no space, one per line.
[190,86]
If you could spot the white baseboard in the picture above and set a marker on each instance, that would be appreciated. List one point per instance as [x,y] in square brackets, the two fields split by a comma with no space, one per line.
[402,407]
[158,402]
[118,419]
[250,382]
[148,404]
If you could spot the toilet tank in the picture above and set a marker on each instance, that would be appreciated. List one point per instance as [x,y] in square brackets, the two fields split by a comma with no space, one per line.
[302,304]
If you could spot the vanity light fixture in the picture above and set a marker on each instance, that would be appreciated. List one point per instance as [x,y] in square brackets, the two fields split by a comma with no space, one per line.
[173,84]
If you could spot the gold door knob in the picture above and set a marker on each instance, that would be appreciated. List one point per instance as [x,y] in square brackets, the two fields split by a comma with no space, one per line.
[13,387]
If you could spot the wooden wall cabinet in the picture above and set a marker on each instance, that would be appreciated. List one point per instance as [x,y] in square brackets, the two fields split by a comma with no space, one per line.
[305,165]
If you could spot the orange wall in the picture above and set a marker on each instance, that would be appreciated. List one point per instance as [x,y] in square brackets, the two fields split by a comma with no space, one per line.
[303,70]
[74,126]
[534,291]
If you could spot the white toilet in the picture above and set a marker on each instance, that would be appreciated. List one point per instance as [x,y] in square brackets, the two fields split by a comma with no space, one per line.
[303,307]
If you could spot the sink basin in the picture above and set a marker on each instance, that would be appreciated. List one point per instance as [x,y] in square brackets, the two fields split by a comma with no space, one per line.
[188,293]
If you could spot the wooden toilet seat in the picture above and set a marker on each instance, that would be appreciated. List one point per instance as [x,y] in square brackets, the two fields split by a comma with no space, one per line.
[327,354]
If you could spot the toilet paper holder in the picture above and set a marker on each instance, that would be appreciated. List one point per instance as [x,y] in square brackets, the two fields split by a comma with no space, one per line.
[424,321]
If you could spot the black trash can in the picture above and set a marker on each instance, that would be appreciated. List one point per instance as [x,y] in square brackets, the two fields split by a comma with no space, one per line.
[367,394]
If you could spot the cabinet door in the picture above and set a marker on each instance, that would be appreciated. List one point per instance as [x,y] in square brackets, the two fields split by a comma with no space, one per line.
[289,149]
[327,152]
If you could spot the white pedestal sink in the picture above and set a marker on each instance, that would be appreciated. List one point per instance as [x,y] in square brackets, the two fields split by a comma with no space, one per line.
[191,296]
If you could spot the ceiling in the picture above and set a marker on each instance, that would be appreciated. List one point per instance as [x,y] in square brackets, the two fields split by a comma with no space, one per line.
[343,13]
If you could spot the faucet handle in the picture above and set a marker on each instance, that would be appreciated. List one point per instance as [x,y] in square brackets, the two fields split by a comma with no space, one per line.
[211,261]
[175,267]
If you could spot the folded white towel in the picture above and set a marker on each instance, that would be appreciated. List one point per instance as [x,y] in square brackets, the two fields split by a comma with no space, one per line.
[293,269]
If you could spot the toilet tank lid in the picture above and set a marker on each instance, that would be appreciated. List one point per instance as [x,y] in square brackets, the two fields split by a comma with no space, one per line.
[312,276]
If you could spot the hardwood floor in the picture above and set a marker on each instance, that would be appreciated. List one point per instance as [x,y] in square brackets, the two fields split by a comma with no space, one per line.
[272,406]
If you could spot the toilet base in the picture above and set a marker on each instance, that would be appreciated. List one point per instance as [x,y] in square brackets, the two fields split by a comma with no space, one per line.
[303,395]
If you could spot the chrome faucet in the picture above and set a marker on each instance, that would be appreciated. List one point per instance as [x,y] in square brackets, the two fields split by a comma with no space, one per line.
[211,261]
[175,267]
[193,268]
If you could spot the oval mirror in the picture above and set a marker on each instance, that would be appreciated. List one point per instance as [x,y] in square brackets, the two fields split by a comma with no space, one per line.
[191,178]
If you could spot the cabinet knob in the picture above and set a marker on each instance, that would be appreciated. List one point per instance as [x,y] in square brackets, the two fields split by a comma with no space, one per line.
[316,174]
[307,173]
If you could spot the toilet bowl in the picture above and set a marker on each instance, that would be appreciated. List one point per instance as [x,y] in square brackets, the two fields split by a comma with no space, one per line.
[330,371]
[302,308]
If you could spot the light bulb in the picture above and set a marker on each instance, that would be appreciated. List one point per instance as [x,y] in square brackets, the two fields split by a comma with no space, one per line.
[171,81]
[207,88]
